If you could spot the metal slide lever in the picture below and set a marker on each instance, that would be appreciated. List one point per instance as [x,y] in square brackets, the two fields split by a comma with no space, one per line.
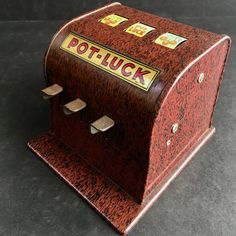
[101,125]
[74,106]
[51,91]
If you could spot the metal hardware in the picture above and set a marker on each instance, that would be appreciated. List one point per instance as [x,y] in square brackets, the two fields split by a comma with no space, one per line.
[74,106]
[174,128]
[101,125]
[168,142]
[51,91]
[201,78]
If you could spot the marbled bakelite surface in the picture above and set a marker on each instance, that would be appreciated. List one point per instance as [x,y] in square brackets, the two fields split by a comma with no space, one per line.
[134,153]
[136,145]
[33,201]
[114,204]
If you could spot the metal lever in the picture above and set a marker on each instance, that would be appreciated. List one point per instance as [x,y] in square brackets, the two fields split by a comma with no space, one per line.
[101,125]
[74,106]
[51,91]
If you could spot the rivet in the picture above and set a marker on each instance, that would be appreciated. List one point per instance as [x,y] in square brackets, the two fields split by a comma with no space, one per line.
[168,142]
[174,128]
[201,78]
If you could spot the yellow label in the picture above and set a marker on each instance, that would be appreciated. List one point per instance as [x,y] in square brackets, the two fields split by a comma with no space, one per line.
[169,40]
[113,20]
[139,29]
[121,66]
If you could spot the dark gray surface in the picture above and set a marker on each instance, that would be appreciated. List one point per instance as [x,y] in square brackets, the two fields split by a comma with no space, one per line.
[34,201]
[65,9]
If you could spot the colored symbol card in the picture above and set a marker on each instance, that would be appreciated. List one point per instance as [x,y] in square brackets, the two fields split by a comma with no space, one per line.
[169,40]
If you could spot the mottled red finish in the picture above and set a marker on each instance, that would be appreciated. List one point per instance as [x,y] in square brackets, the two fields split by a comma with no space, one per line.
[134,153]
[111,201]
[190,104]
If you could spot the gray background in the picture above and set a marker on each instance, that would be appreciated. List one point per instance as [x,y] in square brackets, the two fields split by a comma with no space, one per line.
[66,9]
[34,201]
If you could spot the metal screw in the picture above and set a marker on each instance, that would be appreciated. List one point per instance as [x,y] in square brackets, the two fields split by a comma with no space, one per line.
[201,78]
[168,142]
[174,128]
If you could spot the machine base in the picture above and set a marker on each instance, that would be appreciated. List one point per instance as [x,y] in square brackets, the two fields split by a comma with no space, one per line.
[113,203]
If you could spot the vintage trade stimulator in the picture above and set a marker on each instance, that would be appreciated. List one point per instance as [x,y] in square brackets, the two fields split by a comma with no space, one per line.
[132,97]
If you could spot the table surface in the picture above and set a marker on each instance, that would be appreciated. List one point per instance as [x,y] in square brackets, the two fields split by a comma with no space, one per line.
[34,201]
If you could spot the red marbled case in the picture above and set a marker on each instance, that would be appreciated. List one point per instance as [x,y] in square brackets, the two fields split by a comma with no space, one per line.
[121,172]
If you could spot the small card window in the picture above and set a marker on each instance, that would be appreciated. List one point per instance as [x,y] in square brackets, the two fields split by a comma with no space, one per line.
[113,20]
[170,40]
[139,29]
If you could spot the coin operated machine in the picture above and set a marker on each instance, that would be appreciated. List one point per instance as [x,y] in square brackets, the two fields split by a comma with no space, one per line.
[132,97]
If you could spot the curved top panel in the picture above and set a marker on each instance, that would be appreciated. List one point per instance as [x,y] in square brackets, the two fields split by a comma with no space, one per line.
[144,49]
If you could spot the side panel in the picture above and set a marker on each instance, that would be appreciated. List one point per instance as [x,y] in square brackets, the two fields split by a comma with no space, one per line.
[190,104]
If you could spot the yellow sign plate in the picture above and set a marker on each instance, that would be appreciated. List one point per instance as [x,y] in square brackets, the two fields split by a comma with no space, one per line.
[113,20]
[139,29]
[123,67]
